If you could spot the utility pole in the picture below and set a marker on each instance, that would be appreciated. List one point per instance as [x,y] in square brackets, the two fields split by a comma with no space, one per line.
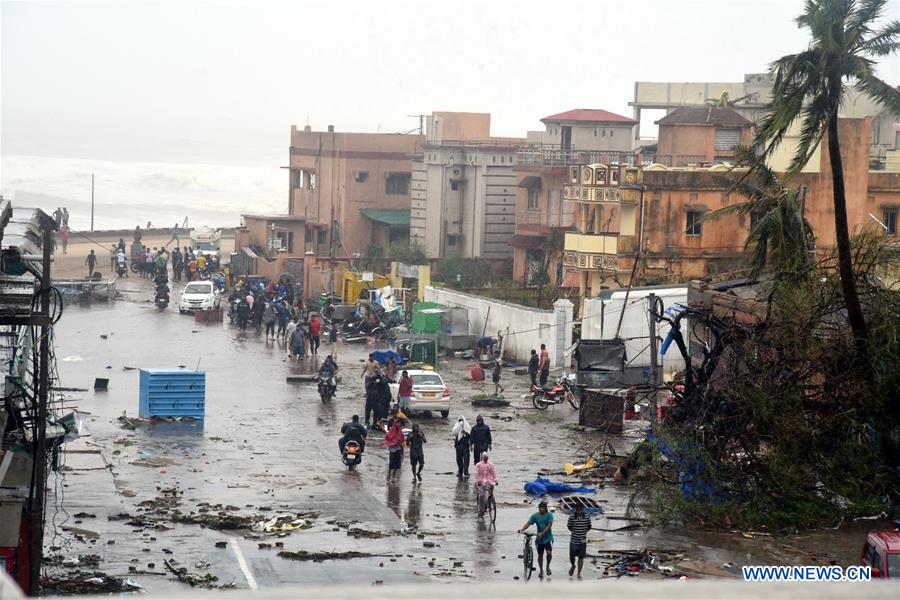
[40,427]
[332,241]
[92,201]
[654,359]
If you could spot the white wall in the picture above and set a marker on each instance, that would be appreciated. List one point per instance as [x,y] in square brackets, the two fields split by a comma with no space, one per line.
[635,323]
[528,327]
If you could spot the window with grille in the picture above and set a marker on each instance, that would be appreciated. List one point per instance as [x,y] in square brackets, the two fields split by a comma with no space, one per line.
[694,226]
[533,195]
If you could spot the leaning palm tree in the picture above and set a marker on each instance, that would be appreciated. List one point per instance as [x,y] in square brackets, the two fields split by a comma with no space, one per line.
[780,238]
[810,86]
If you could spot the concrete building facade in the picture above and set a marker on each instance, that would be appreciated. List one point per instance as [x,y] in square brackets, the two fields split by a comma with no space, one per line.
[701,136]
[463,189]
[572,137]
[362,179]
[360,176]
[666,205]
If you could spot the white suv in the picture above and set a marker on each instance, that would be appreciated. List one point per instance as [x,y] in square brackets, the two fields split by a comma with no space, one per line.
[199,295]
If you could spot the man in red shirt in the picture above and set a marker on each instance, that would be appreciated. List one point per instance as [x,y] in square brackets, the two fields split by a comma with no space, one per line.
[404,394]
[315,325]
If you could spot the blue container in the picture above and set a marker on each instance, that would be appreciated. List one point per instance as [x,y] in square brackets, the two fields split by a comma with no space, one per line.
[173,393]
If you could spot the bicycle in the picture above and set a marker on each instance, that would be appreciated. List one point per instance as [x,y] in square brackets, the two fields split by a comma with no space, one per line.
[528,555]
[487,504]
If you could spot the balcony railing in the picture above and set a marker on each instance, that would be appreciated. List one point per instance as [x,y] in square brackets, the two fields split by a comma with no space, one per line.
[590,251]
[538,218]
[680,160]
[538,156]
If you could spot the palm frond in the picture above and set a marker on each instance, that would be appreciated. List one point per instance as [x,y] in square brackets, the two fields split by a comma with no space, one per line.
[814,123]
[884,43]
[866,12]
[881,91]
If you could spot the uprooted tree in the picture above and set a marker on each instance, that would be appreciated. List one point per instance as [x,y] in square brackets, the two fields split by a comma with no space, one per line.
[775,425]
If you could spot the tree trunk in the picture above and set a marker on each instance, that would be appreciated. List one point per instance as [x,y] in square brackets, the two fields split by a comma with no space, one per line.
[845,259]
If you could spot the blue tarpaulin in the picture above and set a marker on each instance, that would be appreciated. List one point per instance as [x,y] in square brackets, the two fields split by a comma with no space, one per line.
[383,356]
[692,472]
[541,486]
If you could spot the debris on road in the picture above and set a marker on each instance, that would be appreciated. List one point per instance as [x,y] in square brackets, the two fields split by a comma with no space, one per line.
[280,523]
[82,582]
[322,556]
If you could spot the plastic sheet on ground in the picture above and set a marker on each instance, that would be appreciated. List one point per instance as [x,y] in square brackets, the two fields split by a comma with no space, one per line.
[542,486]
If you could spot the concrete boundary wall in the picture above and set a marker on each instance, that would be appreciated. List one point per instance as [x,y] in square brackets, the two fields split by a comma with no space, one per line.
[528,327]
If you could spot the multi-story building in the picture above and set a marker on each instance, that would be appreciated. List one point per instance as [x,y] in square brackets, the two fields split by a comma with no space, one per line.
[354,186]
[463,189]
[606,217]
[579,136]
[660,208]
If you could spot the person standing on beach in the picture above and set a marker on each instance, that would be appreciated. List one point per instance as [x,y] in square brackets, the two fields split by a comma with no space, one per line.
[91,262]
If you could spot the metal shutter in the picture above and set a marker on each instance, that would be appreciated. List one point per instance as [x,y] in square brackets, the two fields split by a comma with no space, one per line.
[727,139]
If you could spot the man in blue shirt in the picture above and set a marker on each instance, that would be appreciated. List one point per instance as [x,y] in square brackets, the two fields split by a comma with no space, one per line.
[543,521]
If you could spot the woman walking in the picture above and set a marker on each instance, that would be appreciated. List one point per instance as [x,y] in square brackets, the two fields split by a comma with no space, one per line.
[461,442]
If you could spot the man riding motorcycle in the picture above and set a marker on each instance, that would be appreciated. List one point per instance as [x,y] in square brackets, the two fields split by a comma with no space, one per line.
[328,370]
[355,432]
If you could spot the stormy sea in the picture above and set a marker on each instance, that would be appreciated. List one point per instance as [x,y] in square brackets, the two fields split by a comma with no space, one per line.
[136,193]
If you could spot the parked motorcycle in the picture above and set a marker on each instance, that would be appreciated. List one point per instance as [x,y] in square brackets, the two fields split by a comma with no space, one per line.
[352,454]
[564,390]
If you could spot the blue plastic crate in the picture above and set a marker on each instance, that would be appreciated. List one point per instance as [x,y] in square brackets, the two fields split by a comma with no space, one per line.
[173,393]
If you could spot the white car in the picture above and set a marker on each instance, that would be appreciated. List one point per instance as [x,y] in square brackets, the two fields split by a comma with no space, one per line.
[199,295]
[430,393]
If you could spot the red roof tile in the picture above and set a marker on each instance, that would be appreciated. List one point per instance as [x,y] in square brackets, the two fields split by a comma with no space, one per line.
[705,115]
[593,115]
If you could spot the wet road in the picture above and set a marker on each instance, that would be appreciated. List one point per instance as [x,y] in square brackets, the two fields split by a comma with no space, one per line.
[268,447]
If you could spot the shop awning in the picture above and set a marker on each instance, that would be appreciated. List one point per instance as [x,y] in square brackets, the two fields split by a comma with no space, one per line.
[392,217]
[532,181]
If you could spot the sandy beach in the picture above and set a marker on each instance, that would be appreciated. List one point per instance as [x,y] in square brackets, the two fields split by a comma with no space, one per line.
[72,265]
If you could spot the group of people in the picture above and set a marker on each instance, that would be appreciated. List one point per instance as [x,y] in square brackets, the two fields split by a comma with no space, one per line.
[61,216]
[274,307]
[578,525]
[539,366]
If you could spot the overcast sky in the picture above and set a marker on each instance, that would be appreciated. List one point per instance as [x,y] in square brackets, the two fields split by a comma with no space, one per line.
[217,82]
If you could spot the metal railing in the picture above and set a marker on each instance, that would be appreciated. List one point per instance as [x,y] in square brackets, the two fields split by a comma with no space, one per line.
[538,155]
[537,217]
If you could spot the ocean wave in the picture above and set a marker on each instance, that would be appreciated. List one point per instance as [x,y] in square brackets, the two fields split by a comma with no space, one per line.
[139,191]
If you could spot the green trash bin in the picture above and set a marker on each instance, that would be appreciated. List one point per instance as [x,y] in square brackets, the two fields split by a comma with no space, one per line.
[424,351]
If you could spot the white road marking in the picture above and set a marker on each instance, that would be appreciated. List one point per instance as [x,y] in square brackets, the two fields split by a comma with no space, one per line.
[242,563]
